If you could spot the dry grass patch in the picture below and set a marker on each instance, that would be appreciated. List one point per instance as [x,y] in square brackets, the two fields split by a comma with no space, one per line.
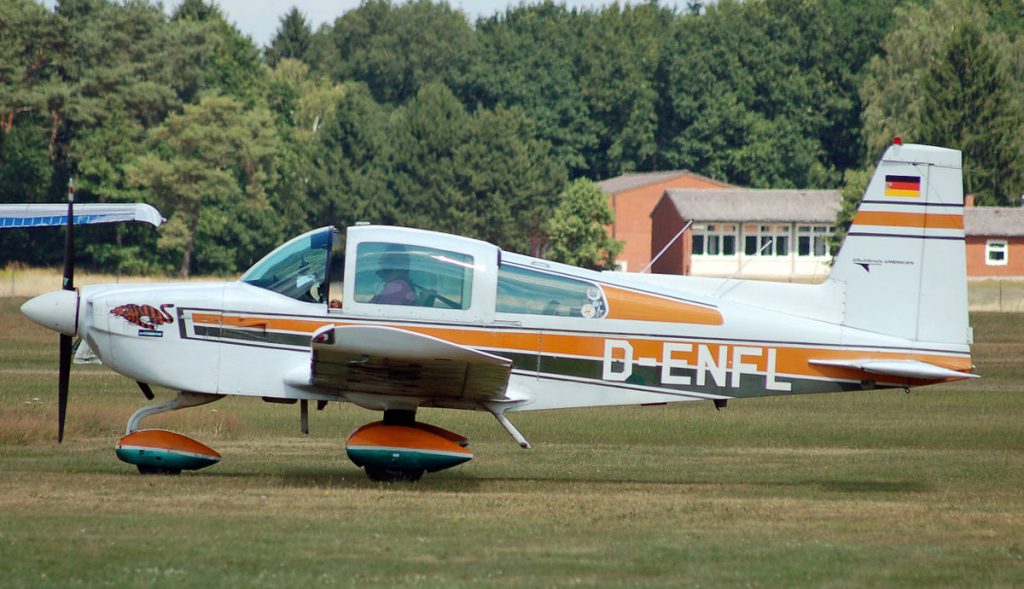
[23,282]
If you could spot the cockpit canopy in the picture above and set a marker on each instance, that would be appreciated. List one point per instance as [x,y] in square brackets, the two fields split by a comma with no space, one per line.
[297,269]
[415,274]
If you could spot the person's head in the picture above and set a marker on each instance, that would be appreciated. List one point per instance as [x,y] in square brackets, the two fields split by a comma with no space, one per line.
[389,274]
[394,264]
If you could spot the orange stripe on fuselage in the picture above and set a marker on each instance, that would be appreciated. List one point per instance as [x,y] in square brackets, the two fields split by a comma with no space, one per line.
[508,340]
[917,220]
[635,306]
[791,360]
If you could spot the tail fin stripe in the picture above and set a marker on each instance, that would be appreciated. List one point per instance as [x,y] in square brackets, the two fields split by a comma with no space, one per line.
[945,237]
[915,220]
[911,203]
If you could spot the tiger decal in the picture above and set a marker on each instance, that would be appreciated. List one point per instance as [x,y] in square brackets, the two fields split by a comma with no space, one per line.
[145,316]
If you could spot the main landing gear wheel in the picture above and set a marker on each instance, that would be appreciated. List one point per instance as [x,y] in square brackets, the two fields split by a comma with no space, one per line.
[144,469]
[399,449]
[382,474]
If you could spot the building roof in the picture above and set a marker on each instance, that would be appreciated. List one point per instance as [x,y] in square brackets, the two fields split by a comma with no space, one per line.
[744,204]
[994,221]
[633,181]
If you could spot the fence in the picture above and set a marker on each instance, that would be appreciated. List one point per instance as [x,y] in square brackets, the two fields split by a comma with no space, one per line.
[1004,295]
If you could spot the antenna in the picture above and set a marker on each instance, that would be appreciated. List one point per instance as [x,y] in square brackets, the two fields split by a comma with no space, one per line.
[667,245]
[747,260]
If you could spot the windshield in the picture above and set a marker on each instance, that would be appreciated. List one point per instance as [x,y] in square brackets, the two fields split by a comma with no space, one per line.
[298,268]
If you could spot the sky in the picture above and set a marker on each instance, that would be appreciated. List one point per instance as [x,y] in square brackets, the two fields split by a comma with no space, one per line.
[260,18]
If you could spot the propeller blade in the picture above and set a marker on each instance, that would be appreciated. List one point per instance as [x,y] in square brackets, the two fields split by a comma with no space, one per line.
[69,241]
[65,340]
[62,384]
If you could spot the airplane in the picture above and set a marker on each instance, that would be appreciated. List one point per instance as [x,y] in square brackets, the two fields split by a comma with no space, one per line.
[396,319]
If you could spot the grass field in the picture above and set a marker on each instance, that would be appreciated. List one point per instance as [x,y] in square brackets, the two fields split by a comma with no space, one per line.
[859,490]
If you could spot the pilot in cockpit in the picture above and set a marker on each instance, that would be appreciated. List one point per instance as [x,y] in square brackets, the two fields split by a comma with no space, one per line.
[397,286]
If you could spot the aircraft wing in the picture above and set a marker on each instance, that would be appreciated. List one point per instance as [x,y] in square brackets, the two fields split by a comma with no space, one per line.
[47,215]
[390,361]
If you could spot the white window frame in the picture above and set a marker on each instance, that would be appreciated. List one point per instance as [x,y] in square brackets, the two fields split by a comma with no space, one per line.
[817,240]
[997,246]
[774,233]
[716,233]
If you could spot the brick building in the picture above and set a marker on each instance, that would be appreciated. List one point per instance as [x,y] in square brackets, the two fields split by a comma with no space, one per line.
[633,198]
[774,234]
[746,233]
[995,241]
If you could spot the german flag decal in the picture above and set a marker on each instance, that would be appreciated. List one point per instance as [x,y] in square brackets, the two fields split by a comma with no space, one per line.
[903,186]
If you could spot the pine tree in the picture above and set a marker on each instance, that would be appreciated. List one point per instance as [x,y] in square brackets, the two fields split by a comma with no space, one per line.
[293,39]
[968,105]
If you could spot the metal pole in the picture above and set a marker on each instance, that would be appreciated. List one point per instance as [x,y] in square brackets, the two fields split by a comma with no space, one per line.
[667,245]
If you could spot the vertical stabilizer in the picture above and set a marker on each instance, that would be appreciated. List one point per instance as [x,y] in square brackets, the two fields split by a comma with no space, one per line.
[903,264]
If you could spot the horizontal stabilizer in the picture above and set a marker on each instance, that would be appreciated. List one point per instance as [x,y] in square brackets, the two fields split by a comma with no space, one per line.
[49,215]
[900,368]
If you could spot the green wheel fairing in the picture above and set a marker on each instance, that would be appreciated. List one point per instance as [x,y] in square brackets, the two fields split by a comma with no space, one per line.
[165,459]
[405,458]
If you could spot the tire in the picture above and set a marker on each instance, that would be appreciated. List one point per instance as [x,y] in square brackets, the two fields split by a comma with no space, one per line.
[157,470]
[381,474]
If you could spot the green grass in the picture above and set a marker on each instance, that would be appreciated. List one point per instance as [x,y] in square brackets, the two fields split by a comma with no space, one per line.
[877,488]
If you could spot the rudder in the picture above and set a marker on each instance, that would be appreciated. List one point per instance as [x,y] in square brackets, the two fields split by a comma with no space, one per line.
[904,264]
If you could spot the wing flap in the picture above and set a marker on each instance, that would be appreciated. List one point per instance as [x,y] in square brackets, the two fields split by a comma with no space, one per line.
[390,361]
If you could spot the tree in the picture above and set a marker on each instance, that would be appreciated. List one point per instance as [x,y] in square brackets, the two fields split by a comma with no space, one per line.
[528,60]
[229,62]
[510,179]
[211,169]
[946,78]
[891,90]
[730,106]
[425,134]
[578,229]
[968,103]
[293,39]
[397,49]
[623,49]
[350,162]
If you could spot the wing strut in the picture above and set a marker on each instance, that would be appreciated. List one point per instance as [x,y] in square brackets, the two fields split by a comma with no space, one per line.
[511,429]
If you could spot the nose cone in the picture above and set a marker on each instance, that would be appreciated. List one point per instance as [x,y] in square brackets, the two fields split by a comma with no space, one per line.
[56,310]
